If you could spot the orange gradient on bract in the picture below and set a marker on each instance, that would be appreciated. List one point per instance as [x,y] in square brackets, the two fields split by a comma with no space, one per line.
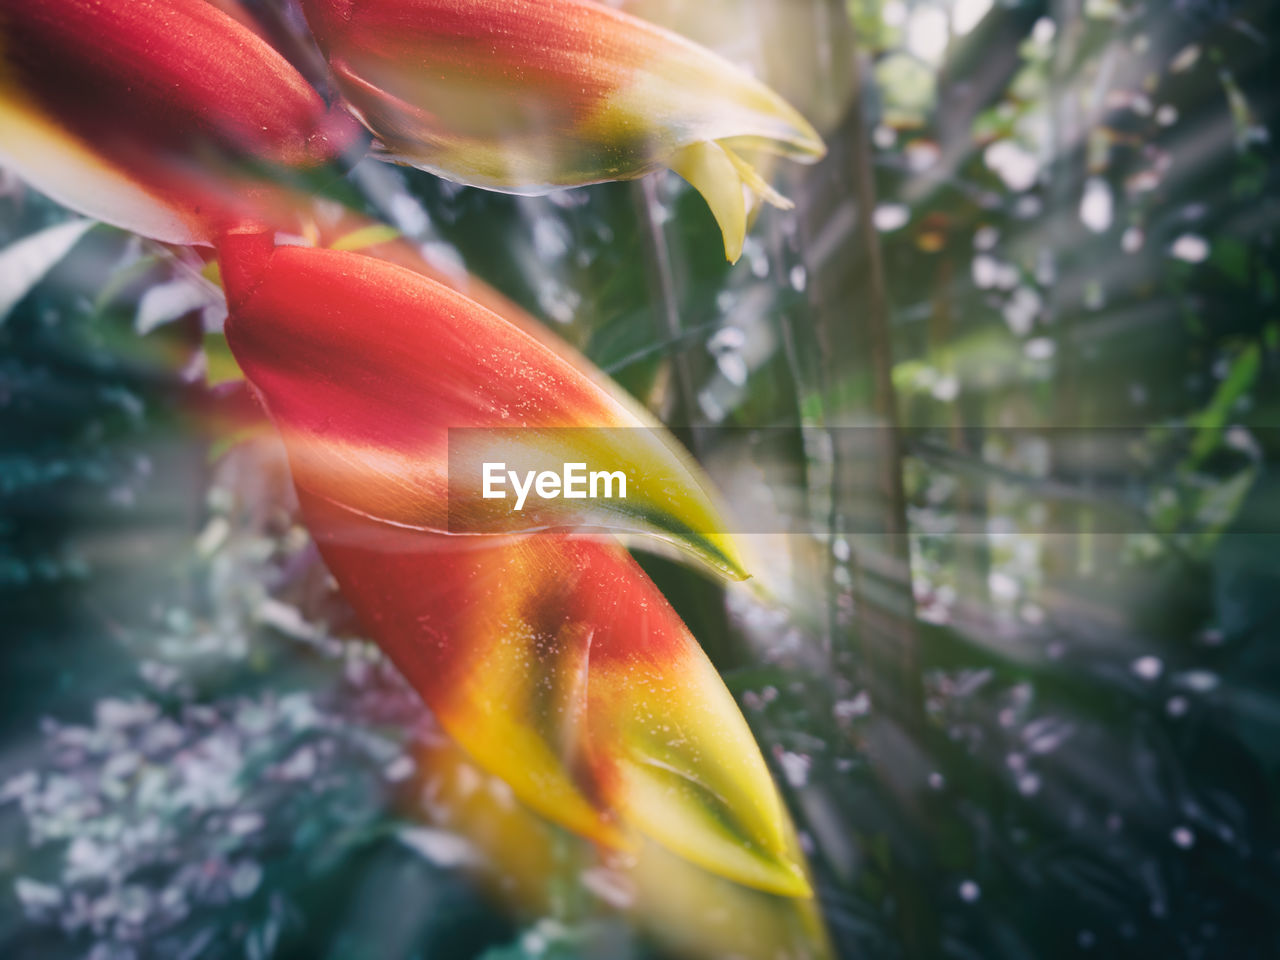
[559,666]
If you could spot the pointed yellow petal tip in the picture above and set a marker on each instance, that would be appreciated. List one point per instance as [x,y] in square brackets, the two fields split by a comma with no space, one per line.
[686,772]
[724,179]
[757,183]
[728,819]
[711,171]
[808,143]
[799,887]
[719,551]
[784,877]
[725,553]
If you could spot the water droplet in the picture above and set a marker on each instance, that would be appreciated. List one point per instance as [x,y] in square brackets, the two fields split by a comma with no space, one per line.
[614,888]
[927,33]
[1013,164]
[1021,311]
[733,368]
[1040,348]
[1190,248]
[1097,206]
[921,155]
[1199,681]
[884,137]
[857,706]
[795,767]
[1148,668]
[890,216]
[1185,59]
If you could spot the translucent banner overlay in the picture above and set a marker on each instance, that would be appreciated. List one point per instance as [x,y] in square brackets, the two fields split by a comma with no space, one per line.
[1164,480]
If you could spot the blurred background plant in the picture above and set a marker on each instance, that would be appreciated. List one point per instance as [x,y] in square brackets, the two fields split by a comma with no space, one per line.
[1019,681]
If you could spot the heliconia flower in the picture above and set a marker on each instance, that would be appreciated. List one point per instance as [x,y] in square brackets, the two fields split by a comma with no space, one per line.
[557,665]
[168,118]
[367,368]
[527,96]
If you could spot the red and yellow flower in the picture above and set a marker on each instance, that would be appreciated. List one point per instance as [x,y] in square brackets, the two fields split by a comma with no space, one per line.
[550,657]
[533,95]
[559,666]
[168,118]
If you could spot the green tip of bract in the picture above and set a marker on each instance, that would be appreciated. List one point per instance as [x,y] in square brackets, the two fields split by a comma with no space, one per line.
[723,553]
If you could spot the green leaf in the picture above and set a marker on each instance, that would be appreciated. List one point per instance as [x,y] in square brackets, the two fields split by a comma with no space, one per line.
[24,264]
[1213,419]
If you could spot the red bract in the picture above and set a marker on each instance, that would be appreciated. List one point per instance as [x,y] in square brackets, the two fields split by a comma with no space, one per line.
[559,666]
[165,117]
[530,95]
[551,658]
[365,367]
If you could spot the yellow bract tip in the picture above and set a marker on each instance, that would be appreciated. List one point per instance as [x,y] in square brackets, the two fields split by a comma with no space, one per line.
[724,179]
